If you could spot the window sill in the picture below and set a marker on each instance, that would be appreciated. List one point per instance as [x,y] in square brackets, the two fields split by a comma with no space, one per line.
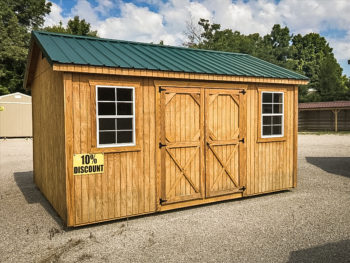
[273,139]
[116,149]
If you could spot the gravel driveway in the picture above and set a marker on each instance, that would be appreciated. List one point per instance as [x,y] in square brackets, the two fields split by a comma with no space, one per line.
[308,224]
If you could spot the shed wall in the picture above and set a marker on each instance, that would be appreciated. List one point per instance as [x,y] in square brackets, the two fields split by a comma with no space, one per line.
[344,120]
[318,120]
[128,185]
[271,166]
[48,135]
[16,120]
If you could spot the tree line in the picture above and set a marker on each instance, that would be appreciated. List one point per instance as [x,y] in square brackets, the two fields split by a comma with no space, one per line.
[17,19]
[309,55]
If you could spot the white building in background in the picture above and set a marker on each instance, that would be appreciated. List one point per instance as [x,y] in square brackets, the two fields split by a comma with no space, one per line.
[15,115]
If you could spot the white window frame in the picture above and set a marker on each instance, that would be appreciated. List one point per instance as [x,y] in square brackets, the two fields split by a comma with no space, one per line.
[271,114]
[116,116]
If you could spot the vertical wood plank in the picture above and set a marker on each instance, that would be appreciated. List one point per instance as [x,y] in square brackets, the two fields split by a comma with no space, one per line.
[68,113]
[295,137]
[76,147]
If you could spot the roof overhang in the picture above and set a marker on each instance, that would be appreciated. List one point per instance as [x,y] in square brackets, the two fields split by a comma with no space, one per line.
[172,74]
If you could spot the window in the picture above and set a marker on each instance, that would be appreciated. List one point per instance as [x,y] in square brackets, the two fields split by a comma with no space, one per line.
[272,115]
[115,116]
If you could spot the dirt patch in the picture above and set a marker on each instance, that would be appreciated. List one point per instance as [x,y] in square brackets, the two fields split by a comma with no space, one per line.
[58,252]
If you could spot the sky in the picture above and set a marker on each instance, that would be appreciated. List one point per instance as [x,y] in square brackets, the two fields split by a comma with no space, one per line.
[155,20]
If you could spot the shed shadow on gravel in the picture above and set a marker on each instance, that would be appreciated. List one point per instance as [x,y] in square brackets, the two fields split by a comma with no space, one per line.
[32,194]
[337,252]
[334,165]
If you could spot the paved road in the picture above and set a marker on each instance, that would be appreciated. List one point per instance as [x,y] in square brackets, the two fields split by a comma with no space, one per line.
[308,224]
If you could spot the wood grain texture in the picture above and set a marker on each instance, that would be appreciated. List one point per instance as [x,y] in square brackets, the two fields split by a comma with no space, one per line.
[184,117]
[49,150]
[128,185]
[271,164]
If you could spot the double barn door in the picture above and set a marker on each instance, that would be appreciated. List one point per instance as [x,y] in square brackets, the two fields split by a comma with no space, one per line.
[201,140]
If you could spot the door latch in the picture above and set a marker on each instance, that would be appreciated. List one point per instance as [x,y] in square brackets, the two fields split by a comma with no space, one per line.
[161,201]
[161,145]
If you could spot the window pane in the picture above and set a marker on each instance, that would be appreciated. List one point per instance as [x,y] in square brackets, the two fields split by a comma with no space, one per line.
[107,124]
[107,137]
[277,130]
[277,97]
[124,137]
[277,108]
[267,120]
[267,97]
[124,94]
[277,120]
[267,108]
[124,108]
[267,130]
[106,94]
[124,124]
[106,108]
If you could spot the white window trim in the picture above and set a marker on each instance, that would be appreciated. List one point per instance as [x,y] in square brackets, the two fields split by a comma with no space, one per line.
[116,116]
[271,114]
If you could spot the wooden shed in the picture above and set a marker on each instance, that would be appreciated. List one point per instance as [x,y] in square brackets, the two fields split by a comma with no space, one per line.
[324,116]
[124,128]
[15,115]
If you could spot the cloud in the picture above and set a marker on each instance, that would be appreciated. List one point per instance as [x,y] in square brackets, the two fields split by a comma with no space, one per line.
[85,10]
[155,20]
[135,23]
[55,16]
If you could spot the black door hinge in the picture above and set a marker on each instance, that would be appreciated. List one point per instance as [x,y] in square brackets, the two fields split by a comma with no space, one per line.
[161,145]
[243,188]
[243,91]
[161,201]
[241,140]
[161,89]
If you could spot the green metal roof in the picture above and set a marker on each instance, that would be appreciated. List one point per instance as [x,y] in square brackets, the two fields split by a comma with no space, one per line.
[81,50]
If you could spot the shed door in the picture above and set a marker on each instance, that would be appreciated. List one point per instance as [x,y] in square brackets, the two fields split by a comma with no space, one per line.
[182,141]
[222,142]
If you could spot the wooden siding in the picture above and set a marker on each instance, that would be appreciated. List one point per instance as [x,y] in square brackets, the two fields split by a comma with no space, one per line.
[128,185]
[48,135]
[316,120]
[344,120]
[131,182]
[270,164]
[323,120]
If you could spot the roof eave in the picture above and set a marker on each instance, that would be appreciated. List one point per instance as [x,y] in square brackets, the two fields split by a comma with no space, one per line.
[171,74]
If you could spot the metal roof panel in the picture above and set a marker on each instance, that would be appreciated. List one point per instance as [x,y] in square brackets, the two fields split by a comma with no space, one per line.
[72,49]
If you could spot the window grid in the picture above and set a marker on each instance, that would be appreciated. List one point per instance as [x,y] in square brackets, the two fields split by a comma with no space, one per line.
[272,115]
[115,116]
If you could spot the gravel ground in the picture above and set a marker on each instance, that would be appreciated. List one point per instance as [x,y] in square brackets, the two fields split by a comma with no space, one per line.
[308,224]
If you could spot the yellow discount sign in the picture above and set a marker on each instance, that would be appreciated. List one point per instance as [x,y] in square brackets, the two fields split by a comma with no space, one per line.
[89,163]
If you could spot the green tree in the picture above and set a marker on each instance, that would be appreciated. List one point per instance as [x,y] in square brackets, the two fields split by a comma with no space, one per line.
[75,26]
[314,58]
[310,55]
[330,82]
[17,19]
